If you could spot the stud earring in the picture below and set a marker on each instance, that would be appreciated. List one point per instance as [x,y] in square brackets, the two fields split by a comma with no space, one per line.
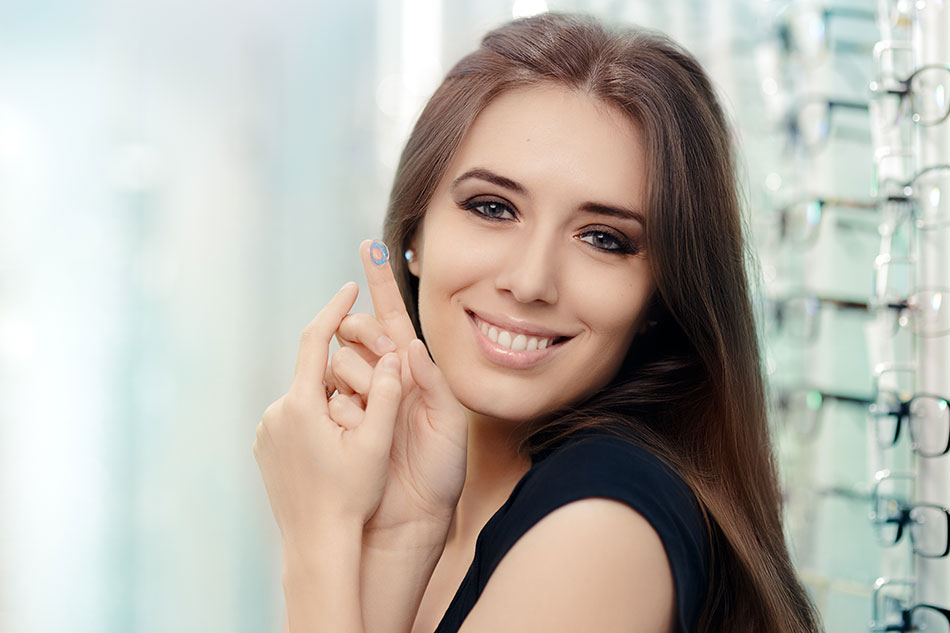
[410,255]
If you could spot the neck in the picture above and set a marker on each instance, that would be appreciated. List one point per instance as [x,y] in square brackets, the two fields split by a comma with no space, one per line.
[493,469]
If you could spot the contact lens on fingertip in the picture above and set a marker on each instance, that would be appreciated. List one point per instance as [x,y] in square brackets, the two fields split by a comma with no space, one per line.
[378,253]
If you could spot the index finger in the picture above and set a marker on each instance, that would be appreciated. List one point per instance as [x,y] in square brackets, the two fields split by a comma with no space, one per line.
[314,350]
[387,302]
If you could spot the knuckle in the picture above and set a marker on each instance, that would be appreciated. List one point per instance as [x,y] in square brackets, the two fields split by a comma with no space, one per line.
[269,413]
[267,420]
[314,331]
[370,327]
[337,403]
[335,360]
[293,406]
[353,321]
[390,313]
[343,356]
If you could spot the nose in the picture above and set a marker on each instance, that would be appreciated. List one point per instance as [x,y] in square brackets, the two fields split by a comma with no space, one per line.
[530,273]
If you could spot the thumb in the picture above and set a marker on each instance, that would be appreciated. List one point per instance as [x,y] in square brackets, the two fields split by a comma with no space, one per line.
[436,393]
[382,403]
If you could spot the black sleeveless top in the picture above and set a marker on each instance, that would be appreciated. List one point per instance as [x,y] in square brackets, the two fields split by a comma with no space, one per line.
[592,464]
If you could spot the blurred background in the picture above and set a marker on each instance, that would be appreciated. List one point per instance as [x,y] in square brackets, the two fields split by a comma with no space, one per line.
[183,185]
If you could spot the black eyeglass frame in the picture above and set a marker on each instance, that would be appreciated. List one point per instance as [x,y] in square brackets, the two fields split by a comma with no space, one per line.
[903,518]
[901,412]
[907,617]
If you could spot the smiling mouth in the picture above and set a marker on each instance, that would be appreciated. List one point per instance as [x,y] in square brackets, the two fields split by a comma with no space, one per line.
[514,340]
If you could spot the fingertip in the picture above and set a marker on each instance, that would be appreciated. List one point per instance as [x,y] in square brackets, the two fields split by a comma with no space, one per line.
[416,346]
[374,251]
[378,252]
[390,363]
[364,249]
[347,294]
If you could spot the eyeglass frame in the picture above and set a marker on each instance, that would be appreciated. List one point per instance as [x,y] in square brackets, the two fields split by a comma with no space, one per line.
[823,300]
[909,197]
[905,510]
[903,412]
[784,211]
[906,624]
[879,586]
[909,304]
[793,126]
[904,90]
[783,397]
[790,46]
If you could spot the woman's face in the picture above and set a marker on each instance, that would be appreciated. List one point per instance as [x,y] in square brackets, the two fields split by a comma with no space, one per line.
[533,279]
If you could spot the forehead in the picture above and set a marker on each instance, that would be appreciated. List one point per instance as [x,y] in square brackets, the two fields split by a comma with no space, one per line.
[567,143]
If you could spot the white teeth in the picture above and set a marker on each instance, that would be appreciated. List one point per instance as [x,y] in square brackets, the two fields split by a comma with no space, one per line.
[520,342]
[512,341]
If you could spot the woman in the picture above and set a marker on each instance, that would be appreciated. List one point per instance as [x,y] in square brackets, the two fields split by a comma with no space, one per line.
[567,243]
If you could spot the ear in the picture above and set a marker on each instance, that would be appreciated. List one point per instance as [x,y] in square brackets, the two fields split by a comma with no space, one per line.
[414,263]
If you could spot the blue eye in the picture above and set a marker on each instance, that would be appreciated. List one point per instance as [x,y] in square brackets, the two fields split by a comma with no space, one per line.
[490,209]
[609,241]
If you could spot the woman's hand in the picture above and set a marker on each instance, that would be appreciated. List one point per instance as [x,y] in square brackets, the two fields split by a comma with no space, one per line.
[428,454]
[316,469]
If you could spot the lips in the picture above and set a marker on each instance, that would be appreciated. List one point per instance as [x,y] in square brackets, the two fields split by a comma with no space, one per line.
[512,344]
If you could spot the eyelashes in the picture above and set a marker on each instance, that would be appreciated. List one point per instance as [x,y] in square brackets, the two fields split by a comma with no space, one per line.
[608,241]
[489,209]
[603,238]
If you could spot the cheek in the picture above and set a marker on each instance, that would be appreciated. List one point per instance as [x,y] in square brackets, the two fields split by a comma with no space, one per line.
[454,255]
[614,306]
[446,269]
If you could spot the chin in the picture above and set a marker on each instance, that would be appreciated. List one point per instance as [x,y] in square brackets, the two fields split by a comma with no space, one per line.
[507,407]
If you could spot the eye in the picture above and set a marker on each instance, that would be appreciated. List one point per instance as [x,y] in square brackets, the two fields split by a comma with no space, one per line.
[609,241]
[490,209]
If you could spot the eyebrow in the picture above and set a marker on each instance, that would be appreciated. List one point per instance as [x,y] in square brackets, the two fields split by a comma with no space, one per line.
[487,175]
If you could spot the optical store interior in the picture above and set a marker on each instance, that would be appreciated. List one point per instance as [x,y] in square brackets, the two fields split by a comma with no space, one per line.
[182,186]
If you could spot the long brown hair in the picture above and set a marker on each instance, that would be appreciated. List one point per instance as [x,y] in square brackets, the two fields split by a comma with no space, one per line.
[691,389]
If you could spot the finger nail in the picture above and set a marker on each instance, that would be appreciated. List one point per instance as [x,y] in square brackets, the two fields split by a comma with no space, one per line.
[378,253]
[344,286]
[390,363]
[384,344]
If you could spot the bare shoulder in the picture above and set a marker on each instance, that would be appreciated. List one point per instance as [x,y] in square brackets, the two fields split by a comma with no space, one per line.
[591,565]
